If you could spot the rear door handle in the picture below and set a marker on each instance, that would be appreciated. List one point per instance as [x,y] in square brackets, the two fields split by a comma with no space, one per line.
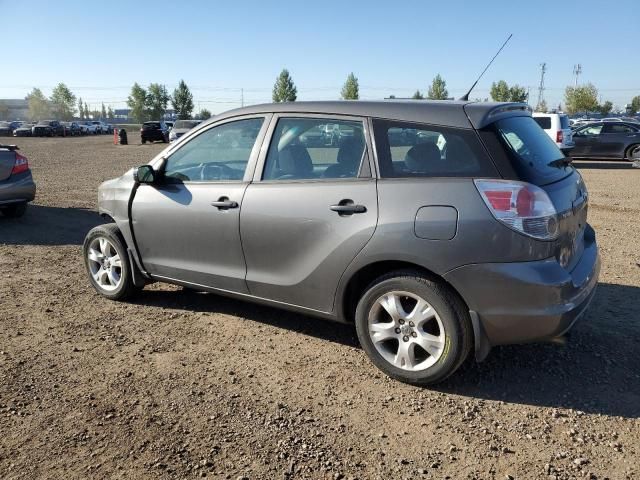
[348,208]
[224,203]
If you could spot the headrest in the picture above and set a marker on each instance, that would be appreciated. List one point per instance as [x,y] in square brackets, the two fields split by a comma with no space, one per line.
[423,157]
[295,161]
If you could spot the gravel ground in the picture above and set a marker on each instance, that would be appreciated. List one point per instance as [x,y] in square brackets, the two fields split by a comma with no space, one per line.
[179,385]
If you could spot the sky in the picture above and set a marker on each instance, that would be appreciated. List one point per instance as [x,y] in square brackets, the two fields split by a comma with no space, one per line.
[228,50]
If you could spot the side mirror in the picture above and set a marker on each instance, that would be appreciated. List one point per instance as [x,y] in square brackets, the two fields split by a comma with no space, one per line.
[144,174]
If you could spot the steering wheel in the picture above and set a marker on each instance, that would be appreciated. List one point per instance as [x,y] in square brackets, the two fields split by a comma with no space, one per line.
[216,171]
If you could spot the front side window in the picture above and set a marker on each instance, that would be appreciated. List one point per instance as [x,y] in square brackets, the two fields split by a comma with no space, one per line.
[416,150]
[220,153]
[590,130]
[312,148]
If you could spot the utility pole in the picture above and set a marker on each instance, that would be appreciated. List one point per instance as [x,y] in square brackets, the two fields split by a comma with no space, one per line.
[543,70]
[242,97]
[577,70]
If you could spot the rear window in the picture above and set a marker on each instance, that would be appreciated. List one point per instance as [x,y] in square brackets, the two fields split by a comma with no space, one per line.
[150,126]
[419,150]
[185,124]
[533,156]
[544,122]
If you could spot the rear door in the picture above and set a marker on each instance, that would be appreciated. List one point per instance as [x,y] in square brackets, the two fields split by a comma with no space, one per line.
[586,140]
[187,225]
[615,138]
[311,208]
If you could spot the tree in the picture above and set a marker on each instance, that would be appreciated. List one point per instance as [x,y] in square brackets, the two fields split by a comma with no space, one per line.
[204,114]
[157,100]
[103,112]
[137,102]
[87,113]
[418,95]
[110,112]
[635,104]
[80,109]
[438,89]
[284,89]
[63,102]
[542,106]
[605,108]
[38,105]
[501,92]
[4,112]
[182,101]
[351,89]
[581,99]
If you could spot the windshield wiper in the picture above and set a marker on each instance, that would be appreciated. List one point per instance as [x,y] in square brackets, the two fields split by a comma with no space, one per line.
[560,162]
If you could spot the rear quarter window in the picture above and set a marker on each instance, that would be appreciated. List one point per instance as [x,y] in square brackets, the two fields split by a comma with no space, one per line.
[544,122]
[420,150]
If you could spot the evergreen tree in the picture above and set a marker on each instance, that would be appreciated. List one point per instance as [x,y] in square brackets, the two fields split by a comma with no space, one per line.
[182,101]
[103,112]
[63,102]
[438,89]
[204,114]
[137,102]
[86,110]
[157,100]
[109,113]
[284,89]
[418,95]
[80,109]
[351,89]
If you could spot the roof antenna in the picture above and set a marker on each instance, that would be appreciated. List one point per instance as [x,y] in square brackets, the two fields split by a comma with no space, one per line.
[465,97]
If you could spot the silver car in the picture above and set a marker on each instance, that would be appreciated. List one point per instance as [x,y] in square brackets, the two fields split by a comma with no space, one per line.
[465,231]
[17,187]
[180,127]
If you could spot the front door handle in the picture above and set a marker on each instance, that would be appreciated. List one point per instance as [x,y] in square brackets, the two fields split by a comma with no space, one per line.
[347,207]
[224,203]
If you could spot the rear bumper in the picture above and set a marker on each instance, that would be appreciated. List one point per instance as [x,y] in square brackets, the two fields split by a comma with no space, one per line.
[18,188]
[528,301]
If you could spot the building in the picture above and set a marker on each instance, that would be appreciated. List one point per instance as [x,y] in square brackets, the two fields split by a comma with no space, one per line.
[14,109]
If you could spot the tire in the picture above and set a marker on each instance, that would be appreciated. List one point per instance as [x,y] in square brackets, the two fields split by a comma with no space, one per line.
[144,141]
[628,153]
[113,281]
[15,210]
[445,330]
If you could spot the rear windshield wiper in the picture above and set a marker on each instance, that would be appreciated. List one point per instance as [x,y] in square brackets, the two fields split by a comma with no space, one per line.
[560,162]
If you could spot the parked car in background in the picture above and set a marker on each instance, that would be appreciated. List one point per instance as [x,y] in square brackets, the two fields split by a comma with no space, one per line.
[17,187]
[102,127]
[5,129]
[181,127]
[71,129]
[24,130]
[154,131]
[431,251]
[90,128]
[170,124]
[557,126]
[611,140]
[48,128]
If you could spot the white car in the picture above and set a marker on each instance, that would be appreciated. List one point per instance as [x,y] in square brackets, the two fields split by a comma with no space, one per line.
[101,127]
[90,127]
[556,125]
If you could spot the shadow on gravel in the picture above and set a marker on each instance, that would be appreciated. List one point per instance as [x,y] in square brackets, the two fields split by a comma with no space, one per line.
[48,226]
[595,371]
[602,165]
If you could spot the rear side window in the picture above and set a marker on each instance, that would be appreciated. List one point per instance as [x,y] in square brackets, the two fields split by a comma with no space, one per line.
[532,154]
[418,150]
[618,128]
[544,122]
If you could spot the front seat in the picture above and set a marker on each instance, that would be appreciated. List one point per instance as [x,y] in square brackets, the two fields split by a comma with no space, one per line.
[423,158]
[295,163]
[348,160]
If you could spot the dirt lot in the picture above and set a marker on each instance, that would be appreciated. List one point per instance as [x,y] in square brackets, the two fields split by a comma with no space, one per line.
[183,385]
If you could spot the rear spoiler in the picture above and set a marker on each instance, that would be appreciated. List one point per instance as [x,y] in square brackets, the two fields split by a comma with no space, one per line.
[480,116]
[11,148]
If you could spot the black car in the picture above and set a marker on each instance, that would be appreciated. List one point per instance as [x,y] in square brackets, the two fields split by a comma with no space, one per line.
[48,128]
[24,130]
[154,132]
[611,140]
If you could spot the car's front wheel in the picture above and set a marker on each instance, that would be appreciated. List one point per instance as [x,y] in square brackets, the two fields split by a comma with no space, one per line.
[107,263]
[413,328]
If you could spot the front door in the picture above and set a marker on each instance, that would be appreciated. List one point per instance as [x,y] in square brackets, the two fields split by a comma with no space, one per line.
[311,209]
[187,224]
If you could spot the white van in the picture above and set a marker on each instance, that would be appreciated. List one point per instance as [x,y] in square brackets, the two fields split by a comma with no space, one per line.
[557,127]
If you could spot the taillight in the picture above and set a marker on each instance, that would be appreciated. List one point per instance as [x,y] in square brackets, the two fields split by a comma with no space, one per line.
[521,206]
[21,164]
[559,136]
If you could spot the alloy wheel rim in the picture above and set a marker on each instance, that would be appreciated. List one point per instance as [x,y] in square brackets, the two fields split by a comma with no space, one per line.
[105,264]
[406,331]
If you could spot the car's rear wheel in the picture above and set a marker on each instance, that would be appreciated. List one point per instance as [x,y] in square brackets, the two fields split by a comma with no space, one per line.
[144,141]
[628,153]
[14,210]
[107,263]
[413,328]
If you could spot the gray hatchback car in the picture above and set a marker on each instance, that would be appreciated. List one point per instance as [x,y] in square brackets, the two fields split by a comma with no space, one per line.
[439,228]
